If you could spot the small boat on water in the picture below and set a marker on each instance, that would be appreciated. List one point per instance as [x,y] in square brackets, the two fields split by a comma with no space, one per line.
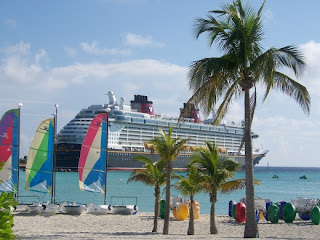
[275,176]
[303,177]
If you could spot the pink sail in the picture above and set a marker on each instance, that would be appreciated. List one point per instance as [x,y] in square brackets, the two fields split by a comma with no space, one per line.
[93,156]
[9,150]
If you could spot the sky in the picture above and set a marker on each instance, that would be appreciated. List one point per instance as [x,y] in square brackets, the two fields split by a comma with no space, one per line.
[71,53]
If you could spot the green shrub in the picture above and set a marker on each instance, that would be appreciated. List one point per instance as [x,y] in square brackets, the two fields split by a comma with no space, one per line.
[7,201]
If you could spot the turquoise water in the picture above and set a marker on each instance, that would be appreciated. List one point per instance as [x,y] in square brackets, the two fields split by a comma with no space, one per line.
[288,186]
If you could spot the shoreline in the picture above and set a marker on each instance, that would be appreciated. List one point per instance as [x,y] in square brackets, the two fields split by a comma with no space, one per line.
[139,226]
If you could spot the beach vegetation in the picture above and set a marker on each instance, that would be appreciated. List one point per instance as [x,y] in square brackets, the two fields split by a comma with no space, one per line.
[168,148]
[237,31]
[216,173]
[189,186]
[7,202]
[151,174]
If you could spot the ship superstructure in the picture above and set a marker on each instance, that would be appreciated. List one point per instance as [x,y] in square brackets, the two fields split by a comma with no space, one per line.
[130,126]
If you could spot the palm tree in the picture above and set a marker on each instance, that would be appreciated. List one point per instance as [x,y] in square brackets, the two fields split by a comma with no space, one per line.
[168,148]
[189,186]
[153,175]
[216,173]
[237,30]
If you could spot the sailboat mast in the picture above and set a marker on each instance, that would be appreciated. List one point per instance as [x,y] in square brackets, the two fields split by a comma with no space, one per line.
[107,133]
[53,192]
[18,167]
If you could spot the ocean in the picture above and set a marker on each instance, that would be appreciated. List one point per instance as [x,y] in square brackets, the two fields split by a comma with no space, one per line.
[285,188]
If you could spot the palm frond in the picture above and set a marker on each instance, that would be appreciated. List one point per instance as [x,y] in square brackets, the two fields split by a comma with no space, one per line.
[233,185]
[233,90]
[191,184]
[293,89]
[290,57]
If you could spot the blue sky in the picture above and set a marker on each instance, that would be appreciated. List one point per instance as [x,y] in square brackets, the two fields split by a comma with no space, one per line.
[73,52]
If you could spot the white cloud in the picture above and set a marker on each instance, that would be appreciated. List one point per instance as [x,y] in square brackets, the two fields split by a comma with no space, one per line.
[11,23]
[20,66]
[21,48]
[71,52]
[311,51]
[42,54]
[135,40]
[147,69]
[94,49]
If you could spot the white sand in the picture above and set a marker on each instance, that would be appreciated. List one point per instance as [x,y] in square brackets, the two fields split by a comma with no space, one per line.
[140,226]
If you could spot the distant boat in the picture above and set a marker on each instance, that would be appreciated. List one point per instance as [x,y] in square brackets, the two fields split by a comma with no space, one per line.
[303,177]
[275,176]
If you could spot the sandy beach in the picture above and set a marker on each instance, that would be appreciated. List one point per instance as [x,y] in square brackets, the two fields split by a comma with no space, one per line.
[139,226]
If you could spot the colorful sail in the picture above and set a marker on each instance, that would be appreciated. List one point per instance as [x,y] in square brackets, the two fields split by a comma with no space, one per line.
[92,162]
[9,150]
[39,168]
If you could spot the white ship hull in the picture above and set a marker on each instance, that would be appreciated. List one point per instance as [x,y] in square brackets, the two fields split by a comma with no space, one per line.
[129,127]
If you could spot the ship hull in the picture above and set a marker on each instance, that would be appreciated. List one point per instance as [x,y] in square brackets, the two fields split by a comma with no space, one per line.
[68,158]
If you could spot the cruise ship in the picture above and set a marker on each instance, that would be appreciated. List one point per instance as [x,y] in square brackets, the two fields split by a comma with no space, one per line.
[131,125]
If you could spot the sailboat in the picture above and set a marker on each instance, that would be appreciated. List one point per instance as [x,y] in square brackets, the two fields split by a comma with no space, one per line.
[9,151]
[40,168]
[92,165]
[9,155]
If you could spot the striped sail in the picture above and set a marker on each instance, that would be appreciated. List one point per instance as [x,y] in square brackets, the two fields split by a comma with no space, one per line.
[92,162]
[9,147]
[39,168]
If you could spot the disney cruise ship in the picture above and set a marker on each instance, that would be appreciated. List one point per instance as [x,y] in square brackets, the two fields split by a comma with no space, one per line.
[130,126]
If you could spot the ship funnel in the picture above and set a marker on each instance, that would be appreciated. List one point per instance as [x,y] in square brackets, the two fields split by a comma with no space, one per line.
[141,104]
[190,111]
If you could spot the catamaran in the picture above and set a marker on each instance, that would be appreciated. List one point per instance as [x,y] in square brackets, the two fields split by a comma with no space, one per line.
[92,166]
[40,166]
[9,151]
[9,157]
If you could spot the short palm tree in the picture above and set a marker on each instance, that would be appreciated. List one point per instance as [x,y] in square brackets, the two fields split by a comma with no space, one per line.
[168,149]
[216,175]
[189,186]
[152,174]
[238,31]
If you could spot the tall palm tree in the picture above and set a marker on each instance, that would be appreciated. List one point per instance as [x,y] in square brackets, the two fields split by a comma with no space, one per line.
[168,148]
[189,186]
[217,173]
[152,174]
[237,30]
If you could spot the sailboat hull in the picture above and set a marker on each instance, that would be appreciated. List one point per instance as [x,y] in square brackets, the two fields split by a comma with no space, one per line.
[73,209]
[99,210]
[124,210]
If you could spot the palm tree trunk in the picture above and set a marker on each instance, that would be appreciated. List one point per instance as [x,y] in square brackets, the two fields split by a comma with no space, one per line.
[191,218]
[251,227]
[156,208]
[167,206]
[213,199]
